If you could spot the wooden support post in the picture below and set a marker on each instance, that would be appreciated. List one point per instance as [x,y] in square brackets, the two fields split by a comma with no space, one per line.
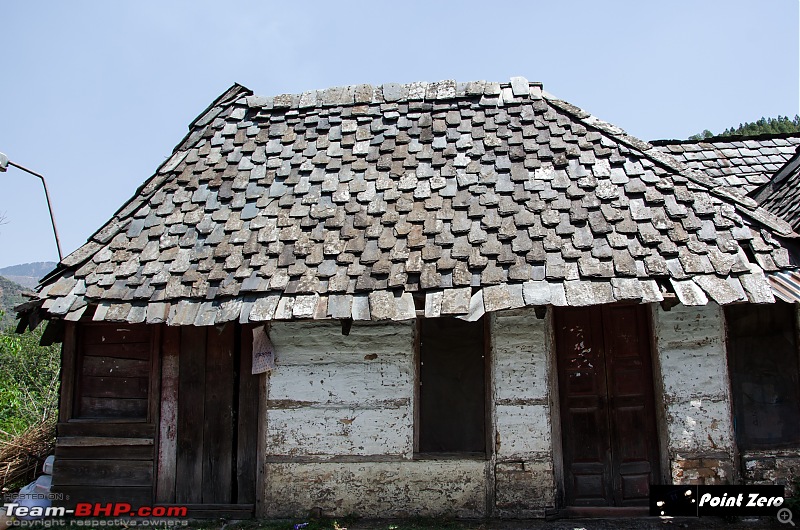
[168,426]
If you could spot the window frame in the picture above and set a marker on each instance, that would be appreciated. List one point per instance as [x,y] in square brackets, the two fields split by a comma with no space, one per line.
[488,426]
[744,440]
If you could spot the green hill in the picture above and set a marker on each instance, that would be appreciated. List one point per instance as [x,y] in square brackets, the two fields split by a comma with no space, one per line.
[10,296]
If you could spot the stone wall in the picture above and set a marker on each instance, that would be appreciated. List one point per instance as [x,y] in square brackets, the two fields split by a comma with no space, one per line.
[690,345]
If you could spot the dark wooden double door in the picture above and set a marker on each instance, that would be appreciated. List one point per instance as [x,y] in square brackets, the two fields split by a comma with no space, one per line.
[610,447]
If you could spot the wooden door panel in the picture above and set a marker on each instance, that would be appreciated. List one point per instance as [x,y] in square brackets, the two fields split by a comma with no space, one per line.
[583,406]
[589,485]
[608,419]
[582,445]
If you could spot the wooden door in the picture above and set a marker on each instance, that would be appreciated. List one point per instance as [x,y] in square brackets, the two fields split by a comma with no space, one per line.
[208,444]
[610,447]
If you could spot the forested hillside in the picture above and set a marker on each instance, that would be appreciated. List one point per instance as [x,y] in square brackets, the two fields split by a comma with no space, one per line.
[781,124]
[10,296]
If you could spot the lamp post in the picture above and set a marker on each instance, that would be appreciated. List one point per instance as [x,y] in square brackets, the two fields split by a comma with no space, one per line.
[4,163]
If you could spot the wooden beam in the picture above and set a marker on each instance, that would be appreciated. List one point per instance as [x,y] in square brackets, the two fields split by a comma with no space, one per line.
[247,420]
[168,422]
[67,373]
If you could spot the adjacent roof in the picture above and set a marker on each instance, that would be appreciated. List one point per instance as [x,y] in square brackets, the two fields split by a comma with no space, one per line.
[742,162]
[781,195]
[351,202]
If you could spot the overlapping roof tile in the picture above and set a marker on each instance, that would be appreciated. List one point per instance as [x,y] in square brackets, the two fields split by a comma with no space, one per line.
[371,202]
[781,195]
[740,162]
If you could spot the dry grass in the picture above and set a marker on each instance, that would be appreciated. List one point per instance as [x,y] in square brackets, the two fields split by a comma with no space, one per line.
[21,457]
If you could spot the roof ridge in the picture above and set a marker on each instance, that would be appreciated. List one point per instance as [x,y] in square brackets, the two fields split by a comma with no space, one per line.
[446,89]
[731,138]
[746,204]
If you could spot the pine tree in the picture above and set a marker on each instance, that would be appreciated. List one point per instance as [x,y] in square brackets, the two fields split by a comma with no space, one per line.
[779,125]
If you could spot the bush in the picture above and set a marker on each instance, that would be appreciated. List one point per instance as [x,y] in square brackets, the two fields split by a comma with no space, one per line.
[28,382]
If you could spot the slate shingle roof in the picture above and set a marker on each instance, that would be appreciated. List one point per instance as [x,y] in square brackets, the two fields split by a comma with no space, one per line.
[781,195]
[741,162]
[349,202]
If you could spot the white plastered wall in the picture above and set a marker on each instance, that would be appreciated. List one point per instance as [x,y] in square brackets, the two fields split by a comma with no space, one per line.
[690,345]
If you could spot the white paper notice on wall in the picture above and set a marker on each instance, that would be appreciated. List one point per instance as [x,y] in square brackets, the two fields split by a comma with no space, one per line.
[263,352]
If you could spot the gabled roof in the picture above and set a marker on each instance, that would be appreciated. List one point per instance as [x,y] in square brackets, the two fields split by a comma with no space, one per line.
[352,201]
[741,162]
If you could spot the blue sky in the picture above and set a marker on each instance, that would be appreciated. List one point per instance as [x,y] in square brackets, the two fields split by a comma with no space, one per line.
[95,95]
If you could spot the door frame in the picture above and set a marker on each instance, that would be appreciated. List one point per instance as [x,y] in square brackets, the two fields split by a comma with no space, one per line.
[662,460]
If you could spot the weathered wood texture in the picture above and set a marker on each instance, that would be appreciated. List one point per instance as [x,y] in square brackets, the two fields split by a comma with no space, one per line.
[168,418]
[691,352]
[524,483]
[389,489]
[215,447]
[605,378]
[247,421]
[113,371]
[107,452]
[191,410]
[332,394]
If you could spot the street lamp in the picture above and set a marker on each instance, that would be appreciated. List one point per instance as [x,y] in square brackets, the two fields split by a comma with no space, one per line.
[4,163]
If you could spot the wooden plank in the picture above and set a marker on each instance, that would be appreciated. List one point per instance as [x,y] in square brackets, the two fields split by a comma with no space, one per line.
[115,387]
[261,447]
[115,334]
[135,496]
[154,405]
[218,421]
[108,452]
[130,350]
[91,407]
[97,441]
[106,473]
[110,366]
[232,511]
[216,511]
[191,412]
[168,435]
[247,420]
[119,430]
[66,403]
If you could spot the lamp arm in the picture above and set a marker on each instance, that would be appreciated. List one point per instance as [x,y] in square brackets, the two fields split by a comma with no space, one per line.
[49,205]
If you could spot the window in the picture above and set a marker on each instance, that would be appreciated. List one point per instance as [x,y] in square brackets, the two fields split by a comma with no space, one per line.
[113,372]
[763,362]
[452,386]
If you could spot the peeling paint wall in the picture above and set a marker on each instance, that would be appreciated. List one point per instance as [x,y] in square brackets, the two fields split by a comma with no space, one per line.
[378,489]
[690,342]
[524,484]
[340,429]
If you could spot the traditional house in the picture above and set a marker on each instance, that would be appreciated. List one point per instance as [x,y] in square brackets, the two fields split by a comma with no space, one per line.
[482,301]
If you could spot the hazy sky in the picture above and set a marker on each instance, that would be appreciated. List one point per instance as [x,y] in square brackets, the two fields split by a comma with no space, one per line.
[95,95]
